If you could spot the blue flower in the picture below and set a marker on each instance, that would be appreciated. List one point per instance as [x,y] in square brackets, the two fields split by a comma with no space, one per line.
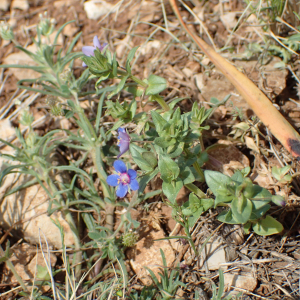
[123,141]
[89,50]
[123,179]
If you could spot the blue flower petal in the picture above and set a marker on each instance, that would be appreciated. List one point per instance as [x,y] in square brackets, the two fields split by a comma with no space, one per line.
[120,129]
[122,190]
[97,43]
[124,136]
[113,180]
[120,166]
[123,149]
[123,141]
[132,174]
[134,185]
[88,50]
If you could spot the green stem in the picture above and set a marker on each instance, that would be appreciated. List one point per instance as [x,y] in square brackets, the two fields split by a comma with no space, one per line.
[97,161]
[199,171]
[201,143]
[83,117]
[195,190]
[161,102]
[68,217]
[109,208]
[138,81]
[143,84]
[190,239]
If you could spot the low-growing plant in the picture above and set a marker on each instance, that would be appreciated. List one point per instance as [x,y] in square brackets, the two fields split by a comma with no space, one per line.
[164,143]
[167,284]
[217,293]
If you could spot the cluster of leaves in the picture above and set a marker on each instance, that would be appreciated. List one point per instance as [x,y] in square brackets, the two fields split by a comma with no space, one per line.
[246,202]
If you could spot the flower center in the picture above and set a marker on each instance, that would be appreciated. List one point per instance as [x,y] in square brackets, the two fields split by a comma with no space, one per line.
[124,178]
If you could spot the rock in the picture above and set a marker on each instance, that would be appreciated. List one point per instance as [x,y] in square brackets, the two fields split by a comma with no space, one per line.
[6,129]
[226,158]
[97,8]
[29,207]
[229,19]
[147,254]
[213,255]
[39,260]
[26,210]
[218,84]
[67,3]
[25,260]
[192,67]
[240,281]
[147,48]
[274,78]
[4,5]
[20,4]
[70,30]
[21,58]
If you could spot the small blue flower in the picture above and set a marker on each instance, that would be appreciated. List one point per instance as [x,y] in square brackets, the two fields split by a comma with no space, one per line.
[89,50]
[123,141]
[123,179]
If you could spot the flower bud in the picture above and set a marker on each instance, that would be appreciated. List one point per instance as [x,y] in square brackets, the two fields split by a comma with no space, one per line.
[6,32]
[46,25]
[278,200]
[55,106]
[129,239]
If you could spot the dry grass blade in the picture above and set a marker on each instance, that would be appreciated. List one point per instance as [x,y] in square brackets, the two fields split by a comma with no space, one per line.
[259,103]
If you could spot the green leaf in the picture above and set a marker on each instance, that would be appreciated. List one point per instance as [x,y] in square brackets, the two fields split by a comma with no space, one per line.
[241,209]
[156,84]
[247,227]
[226,217]
[119,87]
[259,209]
[95,235]
[130,58]
[178,150]
[158,121]
[42,273]
[195,206]
[267,226]
[187,175]
[145,179]
[172,189]
[262,194]
[193,219]
[238,176]
[164,142]
[150,158]
[168,168]
[215,180]
[203,158]
[294,38]
[222,199]
[137,156]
